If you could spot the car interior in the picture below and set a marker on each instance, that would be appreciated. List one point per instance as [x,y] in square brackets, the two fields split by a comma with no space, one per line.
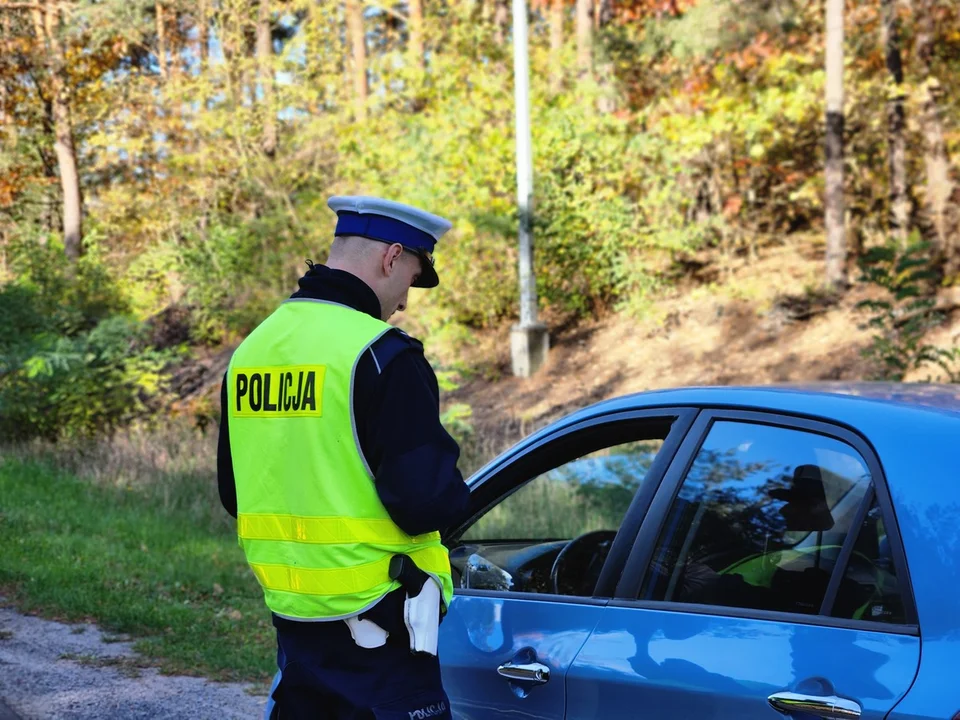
[788,577]
[564,565]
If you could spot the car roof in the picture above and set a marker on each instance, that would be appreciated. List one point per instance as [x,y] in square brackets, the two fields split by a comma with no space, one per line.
[866,407]
[838,399]
[853,404]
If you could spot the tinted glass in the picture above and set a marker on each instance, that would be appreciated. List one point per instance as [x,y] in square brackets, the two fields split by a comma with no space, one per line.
[870,589]
[759,520]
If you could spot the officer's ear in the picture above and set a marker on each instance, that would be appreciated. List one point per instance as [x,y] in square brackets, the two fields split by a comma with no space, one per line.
[391,258]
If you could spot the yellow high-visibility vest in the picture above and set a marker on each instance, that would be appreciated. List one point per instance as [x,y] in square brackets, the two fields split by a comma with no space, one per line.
[309,520]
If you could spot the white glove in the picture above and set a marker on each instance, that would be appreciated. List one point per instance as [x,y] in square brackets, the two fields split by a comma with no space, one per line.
[366,633]
[421,614]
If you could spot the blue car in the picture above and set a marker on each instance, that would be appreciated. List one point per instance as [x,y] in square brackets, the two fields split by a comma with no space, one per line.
[741,553]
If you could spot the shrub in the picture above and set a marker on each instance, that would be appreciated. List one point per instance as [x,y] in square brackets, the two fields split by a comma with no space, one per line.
[72,362]
[905,313]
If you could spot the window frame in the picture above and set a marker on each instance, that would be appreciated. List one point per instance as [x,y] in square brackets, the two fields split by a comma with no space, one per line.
[643,549]
[501,478]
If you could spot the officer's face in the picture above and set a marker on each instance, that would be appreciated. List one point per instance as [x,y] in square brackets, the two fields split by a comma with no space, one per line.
[401,269]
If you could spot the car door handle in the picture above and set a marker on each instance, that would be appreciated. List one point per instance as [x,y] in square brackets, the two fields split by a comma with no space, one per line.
[829,707]
[529,672]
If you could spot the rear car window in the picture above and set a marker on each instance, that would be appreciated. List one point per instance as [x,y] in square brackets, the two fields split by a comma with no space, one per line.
[759,523]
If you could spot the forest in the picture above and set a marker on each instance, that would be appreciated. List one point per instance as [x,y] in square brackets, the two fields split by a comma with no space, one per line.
[165,166]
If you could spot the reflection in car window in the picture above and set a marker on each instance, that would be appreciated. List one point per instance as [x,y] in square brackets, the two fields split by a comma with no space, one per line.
[759,520]
[589,493]
[513,546]
[870,589]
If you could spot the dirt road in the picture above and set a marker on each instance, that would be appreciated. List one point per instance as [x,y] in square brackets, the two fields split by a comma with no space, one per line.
[51,670]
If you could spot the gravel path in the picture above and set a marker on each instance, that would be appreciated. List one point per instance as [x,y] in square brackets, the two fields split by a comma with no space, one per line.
[51,670]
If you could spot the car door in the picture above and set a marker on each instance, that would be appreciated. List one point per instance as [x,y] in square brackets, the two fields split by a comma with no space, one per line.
[767,576]
[548,535]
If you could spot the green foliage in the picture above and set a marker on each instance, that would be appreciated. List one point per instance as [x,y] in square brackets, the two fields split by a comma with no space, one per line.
[69,299]
[72,363]
[723,26]
[905,313]
[456,420]
[699,132]
[586,225]
[226,296]
[80,385]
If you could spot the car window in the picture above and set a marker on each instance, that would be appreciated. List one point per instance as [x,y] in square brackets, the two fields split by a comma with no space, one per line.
[514,544]
[870,589]
[759,520]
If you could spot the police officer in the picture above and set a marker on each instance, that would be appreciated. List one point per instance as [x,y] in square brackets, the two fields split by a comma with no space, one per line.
[333,460]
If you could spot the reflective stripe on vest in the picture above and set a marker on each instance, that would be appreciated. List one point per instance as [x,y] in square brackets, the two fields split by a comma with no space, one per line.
[324,530]
[343,581]
[310,522]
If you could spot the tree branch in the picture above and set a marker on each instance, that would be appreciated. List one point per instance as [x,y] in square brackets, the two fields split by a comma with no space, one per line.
[389,11]
[20,6]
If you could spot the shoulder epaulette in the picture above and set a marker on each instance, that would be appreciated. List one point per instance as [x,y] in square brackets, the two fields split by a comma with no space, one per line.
[391,344]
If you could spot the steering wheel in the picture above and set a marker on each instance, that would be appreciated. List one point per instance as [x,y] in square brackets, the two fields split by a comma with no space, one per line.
[598,536]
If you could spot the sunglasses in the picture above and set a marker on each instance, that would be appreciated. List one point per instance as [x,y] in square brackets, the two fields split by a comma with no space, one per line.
[424,255]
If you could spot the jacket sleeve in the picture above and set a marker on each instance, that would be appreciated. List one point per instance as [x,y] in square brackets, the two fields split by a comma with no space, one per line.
[411,455]
[225,480]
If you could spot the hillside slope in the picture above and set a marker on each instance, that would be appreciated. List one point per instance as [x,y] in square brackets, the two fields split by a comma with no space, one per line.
[760,322]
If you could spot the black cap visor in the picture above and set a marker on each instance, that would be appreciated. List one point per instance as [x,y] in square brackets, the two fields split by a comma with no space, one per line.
[428,274]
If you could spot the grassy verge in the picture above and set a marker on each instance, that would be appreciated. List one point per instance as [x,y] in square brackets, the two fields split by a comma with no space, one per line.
[128,532]
[154,561]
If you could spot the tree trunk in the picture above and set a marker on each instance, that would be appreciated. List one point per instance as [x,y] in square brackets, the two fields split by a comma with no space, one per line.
[46,23]
[584,37]
[606,74]
[161,40]
[5,124]
[203,34]
[939,184]
[836,255]
[556,45]
[415,49]
[358,45]
[229,35]
[501,18]
[7,127]
[896,126]
[265,78]
[602,13]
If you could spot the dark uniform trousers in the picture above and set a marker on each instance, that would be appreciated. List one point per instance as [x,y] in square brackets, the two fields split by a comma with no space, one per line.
[325,674]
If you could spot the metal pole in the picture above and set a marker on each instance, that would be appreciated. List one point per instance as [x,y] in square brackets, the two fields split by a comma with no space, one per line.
[529,341]
[521,83]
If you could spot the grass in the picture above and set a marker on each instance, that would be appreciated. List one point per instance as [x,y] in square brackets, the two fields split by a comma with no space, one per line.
[129,533]
[144,550]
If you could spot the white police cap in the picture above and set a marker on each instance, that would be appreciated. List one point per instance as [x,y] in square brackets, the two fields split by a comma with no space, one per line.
[389,221]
